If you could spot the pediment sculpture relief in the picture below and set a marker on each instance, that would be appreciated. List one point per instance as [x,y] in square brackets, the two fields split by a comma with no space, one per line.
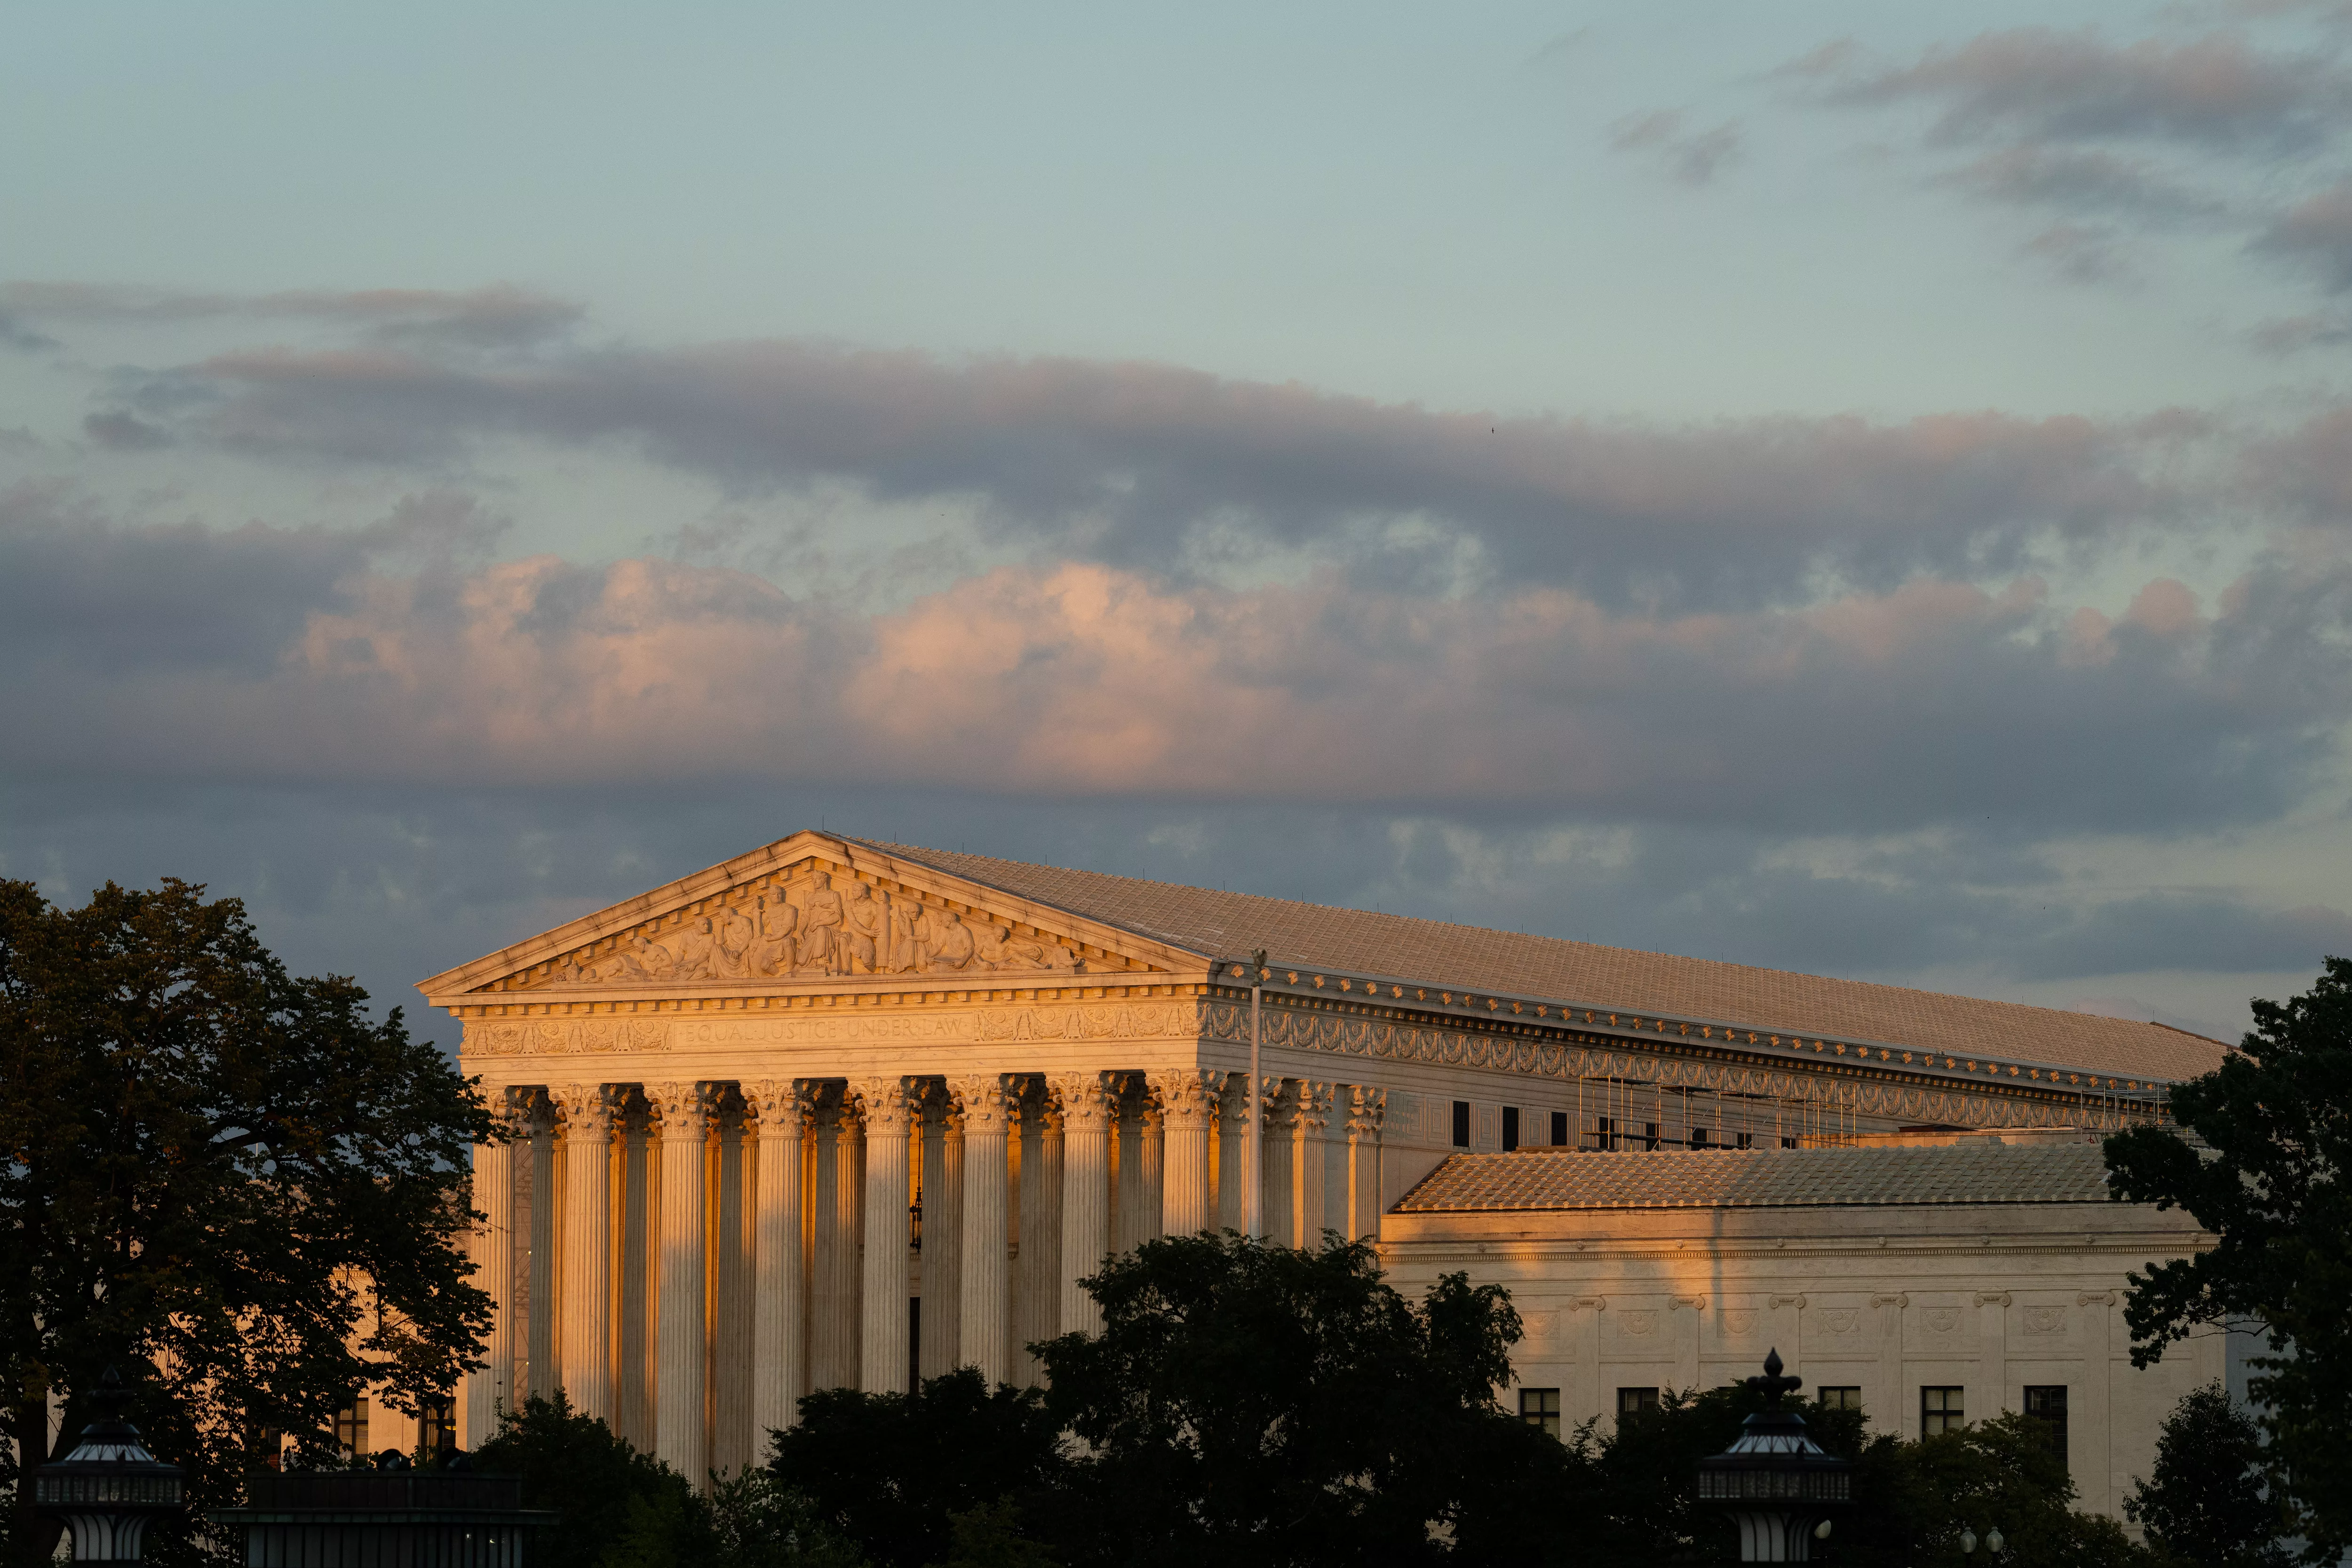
[817,924]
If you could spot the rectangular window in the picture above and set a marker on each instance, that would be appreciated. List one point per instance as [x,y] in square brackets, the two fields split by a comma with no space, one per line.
[1606,1131]
[1747,1139]
[1940,1411]
[437,1427]
[1699,1137]
[351,1426]
[1560,1129]
[1461,1124]
[2047,1403]
[1649,1135]
[1787,1143]
[1633,1401]
[1510,1127]
[1839,1397]
[1540,1407]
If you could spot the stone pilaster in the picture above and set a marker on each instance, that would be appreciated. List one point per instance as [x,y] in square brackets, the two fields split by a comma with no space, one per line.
[681,1411]
[1367,1109]
[780,1107]
[882,1350]
[587,1247]
[1897,1406]
[942,1260]
[1188,1100]
[1086,1193]
[2092,1442]
[1991,1394]
[986,1336]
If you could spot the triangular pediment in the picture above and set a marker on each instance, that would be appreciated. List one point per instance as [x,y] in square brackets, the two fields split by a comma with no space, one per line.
[810,910]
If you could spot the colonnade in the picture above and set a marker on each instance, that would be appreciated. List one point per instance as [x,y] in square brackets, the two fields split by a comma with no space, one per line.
[687,1260]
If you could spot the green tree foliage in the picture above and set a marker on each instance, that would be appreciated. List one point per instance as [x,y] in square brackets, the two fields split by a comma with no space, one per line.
[2208,1501]
[622,1509]
[2001,1473]
[1252,1404]
[2275,1119]
[224,1179]
[892,1471]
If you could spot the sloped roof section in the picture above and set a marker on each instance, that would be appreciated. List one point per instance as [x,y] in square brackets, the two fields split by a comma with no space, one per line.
[1968,1173]
[1222,924]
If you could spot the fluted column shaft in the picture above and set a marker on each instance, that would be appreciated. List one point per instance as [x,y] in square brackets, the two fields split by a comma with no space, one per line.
[1308,1187]
[883,1343]
[1086,1193]
[588,1246]
[681,1428]
[943,1165]
[986,1332]
[546,1372]
[1278,1106]
[489,1390]
[1188,1113]
[1233,1132]
[1038,1297]
[1152,1145]
[1367,1108]
[779,1310]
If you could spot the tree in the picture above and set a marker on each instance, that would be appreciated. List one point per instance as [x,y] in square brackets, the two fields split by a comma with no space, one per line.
[892,1471]
[2002,1473]
[1250,1405]
[2270,1182]
[2207,1501]
[224,1179]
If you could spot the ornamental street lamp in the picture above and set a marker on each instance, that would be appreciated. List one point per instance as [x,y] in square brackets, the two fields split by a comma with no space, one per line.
[1780,1486]
[110,1487]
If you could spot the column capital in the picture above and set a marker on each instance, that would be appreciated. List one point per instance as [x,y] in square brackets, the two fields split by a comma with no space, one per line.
[889,1103]
[1187,1095]
[1367,1109]
[1086,1097]
[782,1106]
[986,1099]
[589,1109]
[512,1107]
[1041,1106]
[685,1108]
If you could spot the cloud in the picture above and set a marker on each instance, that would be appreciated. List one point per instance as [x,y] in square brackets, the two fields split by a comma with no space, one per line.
[2032,174]
[2292,334]
[2079,252]
[2037,84]
[2316,234]
[1693,159]
[1163,469]
[258,654]
[497,316]
[121,432]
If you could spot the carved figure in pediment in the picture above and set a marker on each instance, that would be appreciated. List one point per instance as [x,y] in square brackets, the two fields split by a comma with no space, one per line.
[643,959]
[953,946]
[903,951]
[998,948]
[821,918]
[772,952]
[698,952]
[862,931]
[736,936]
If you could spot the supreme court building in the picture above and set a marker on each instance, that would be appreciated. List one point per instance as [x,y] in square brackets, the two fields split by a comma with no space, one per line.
[842,1114]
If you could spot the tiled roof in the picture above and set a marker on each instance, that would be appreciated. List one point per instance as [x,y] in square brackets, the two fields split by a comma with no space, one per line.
[1968,1173]
[1222,924]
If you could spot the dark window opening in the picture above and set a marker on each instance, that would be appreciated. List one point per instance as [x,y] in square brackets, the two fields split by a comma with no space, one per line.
[1540,1407]
[1510,1127]
[1839,1397]
[1633,1401]
[1940,1411]
[436,1426]
[1560,1129]
[1787,1143]
[1461,1124]
[351,1426]
[1699,1137]
[1649,1135]
[1747,1139]
[2047,1404]
[1606,1132]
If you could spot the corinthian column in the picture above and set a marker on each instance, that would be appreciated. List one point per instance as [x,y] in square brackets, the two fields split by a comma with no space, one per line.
[942,1234]
[1366,1108]
[546,1373]
[1234,1132]
[1037,1296]
[1086,1193]
[882,1346]
[1188,1112]
[681,1411]
[779,1273]
[840,1160]
[1311,1167]
[588,1110]
[1151,1190]
[489,1390]
[986,1307]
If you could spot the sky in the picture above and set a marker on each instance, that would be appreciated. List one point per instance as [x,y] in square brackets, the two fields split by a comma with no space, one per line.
[1843,487]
